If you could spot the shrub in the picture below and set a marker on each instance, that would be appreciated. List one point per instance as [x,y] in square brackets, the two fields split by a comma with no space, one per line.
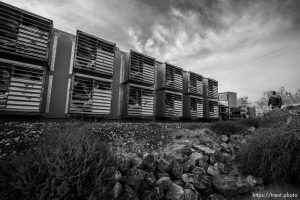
[272,154]
[248,122]
[194,126]
[227,127]
[274,118]
[68,164]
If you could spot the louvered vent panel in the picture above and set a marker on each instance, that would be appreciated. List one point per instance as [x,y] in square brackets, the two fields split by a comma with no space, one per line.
[21,87]
[91,96]
[94,54]
[141,68]
[141,101]
[23,33]
[213,109]
[196,84]
[174,77]
[212,88]
[173,105]
[196,107]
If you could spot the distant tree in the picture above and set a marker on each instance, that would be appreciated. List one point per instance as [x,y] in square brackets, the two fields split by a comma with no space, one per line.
[244,100]
[287,97]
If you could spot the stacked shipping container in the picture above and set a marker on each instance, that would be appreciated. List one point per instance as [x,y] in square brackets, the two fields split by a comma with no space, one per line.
[138,85]
[91,87]
[24,48]
[90,76]
[169,88]
[193,96]
[211,100]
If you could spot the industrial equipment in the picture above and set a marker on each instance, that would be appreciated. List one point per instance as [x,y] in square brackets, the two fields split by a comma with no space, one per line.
[21,87]
[169,104]
[139,69]
[24,34]
[213,109]
[212,88]
[138,101]
[94,54]
[193,107]
[192,84]
[169,77]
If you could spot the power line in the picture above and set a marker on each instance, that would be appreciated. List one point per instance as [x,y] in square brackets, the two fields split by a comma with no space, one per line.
[271,54]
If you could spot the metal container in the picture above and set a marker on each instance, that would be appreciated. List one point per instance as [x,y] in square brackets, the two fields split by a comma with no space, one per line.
[139,69]
[138,101]
[94,55]
[74,89]
[169,104]
[24,36]
[90,95]
[169,77]
[21,87]
[211,88]
[193,107]
[192,84]
[213,109]
[228,99]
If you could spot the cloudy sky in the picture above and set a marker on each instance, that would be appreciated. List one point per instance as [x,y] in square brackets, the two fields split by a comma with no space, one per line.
[249,46]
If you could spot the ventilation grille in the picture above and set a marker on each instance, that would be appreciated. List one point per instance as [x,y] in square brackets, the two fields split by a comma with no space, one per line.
[141,68]
[23,33]
[173,105]
[212,88]
[141,101]
[213,109]
[94,54]
[21,88]
[90,96]
[173,77]
[196,84]
[196,107]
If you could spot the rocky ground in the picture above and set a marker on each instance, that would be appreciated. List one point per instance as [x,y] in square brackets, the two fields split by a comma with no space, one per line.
[169,161]
[196,164]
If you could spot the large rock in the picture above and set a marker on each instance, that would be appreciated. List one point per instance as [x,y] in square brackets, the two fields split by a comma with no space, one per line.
[128,194]
[164,164]
[196,156]
[203,164]
[149,162]
[224,146]
[190,195]
[217,197]
[224,138]
[223,169]
[134,178]
[150,178]
[201,180]
[155,194]
[177,170]
[188,165]
[203,183]
[198,171]
[188,178]
[204,149]
[213,170]
[187,150]
[164,183]
[179,182]
[136,161]
[175,192]
[225,184]
[252,181]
